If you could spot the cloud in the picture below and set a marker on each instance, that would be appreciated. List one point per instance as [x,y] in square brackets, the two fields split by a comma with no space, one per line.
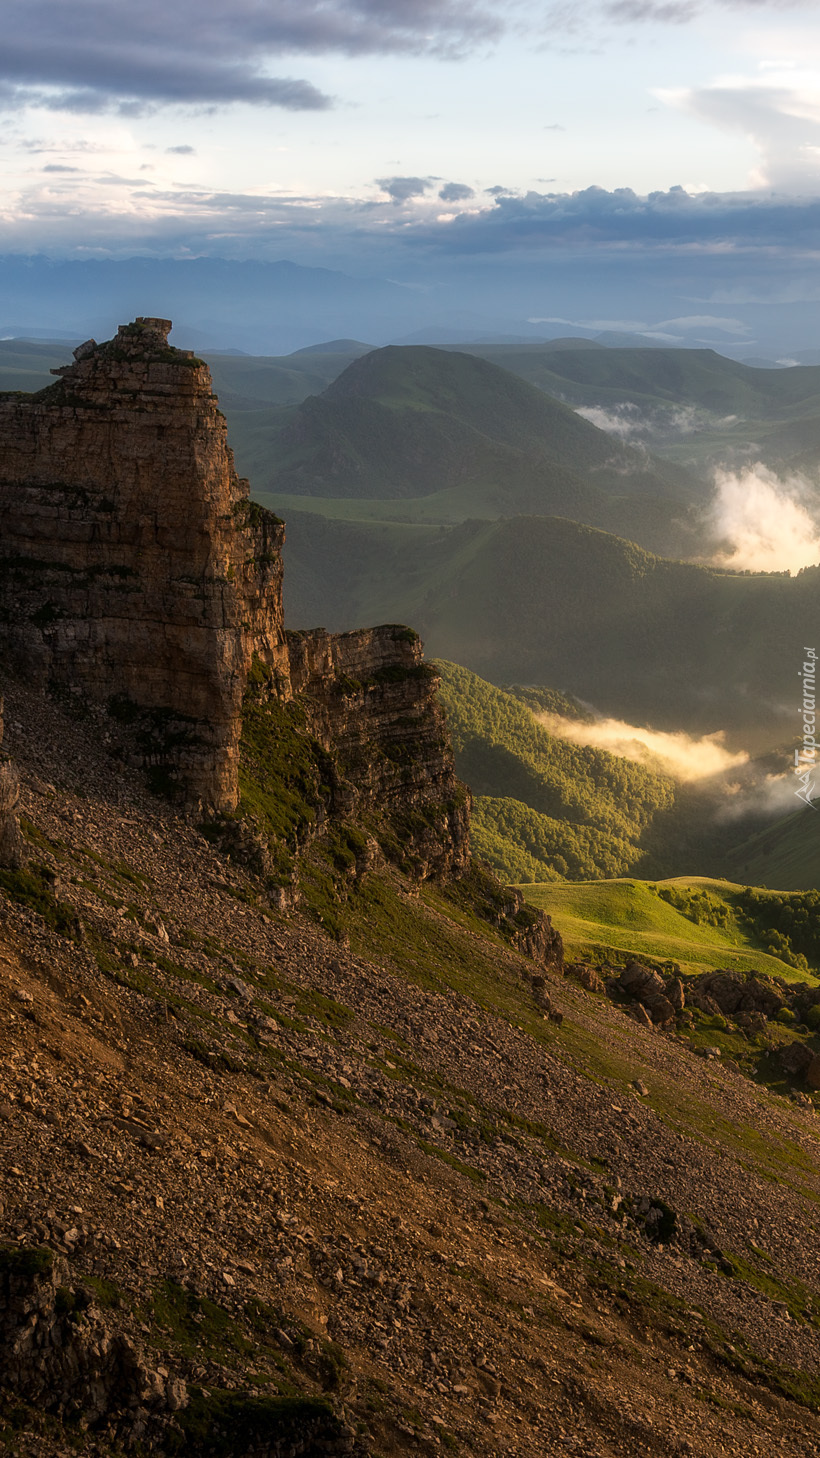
[456,192]
[594,217]
[211,84]
[670,12]
[402,189]
[569,18]
[706,260]
[688,323]
[182,151]
[681,755]
[761,523]
[782,123]
[108,54]
[58,167]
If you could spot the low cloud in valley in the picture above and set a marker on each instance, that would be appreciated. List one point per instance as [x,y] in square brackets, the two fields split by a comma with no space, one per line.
[761,522]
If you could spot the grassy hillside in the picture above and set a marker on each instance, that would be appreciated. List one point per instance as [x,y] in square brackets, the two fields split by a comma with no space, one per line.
[679,376]
[547,810]
[25,364]
[612,920]
[690,405]
[678,645]
[547,601]
[247,382]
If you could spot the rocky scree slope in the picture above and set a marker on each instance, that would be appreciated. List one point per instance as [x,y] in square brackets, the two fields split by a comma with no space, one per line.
[266,1192]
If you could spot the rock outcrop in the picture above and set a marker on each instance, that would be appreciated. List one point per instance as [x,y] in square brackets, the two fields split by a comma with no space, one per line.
[137,573]
[372,702]
[647,987]
[58,1352]
[732,993]
[135,569]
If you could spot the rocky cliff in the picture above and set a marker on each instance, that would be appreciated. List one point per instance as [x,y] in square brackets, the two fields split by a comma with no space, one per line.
[372,701]
[135,569]
[138,575]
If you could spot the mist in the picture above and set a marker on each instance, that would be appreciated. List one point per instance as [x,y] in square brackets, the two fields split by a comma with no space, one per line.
[622,420]
[683,756]
[761,522]
[634,423]
[731,786]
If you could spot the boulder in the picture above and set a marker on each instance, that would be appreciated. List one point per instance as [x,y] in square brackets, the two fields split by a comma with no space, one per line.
[641,982]
[703,1002]
[539,992]
[58,1352]
[733,993]
[661,1011]
[795,1058]
[812,1073]
[676,994]
[751,1022]
[640,1015]
[588,976]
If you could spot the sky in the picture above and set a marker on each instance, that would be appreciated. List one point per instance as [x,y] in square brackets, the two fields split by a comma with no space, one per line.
[670,139]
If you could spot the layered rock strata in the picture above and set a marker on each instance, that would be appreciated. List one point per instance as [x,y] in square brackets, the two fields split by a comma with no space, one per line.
[135,569]
[372,702]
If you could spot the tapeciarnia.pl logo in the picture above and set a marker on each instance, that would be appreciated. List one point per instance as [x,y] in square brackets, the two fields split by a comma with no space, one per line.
[805,757]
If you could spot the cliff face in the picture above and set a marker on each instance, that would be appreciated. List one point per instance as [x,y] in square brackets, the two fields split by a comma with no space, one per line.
[372,701]
[135,569]
[137,573]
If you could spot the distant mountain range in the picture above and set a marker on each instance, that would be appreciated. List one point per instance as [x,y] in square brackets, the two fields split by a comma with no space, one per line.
[692,407]
[272,307]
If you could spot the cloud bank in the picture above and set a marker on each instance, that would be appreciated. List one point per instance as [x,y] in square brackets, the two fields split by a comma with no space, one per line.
[622,217]
[763,523]
[97,55]
[616,224]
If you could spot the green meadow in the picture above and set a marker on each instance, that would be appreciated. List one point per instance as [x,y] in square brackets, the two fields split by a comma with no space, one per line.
[612,920]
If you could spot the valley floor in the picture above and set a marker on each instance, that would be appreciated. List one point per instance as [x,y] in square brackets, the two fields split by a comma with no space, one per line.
[283,1166]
